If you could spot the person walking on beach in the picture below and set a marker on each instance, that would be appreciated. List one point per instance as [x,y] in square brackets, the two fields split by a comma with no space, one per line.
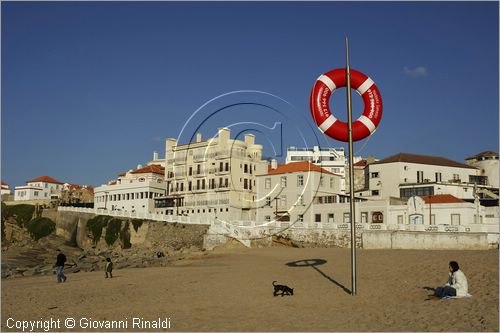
[457,283]
[109,268]
[60,261]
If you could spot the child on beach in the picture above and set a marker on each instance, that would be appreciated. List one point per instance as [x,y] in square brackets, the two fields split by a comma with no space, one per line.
[109,268]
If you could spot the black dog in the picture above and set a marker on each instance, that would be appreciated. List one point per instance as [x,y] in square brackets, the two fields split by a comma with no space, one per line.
[285,290]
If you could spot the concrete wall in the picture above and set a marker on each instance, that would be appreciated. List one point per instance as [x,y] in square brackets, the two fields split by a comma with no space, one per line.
[155,235]
[427,241]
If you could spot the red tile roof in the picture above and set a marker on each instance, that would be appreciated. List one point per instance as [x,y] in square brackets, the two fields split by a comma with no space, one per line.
[361,163]
[45,179]
[423,159]
[303,166]
[441,199]
[487,153]
[153,168]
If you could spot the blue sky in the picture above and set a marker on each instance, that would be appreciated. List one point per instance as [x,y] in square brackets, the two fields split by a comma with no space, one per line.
[91,89]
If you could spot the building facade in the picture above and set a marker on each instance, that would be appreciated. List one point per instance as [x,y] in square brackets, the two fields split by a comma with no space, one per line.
[41,188]
[290,192]
[330,159]
[487,164]
[213,179]
[405,175]
[133,191]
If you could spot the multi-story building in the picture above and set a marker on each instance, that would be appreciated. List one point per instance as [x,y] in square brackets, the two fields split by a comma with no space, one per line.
[330,159]
[41,188]
[213,178]
[487,163]
[405,175]
[133,191]
[289,192]
[72,194]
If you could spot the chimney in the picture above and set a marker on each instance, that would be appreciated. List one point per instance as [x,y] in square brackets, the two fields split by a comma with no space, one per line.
[224,134]
[155,156]
[138,166]
[249,139]
[170,144]
[274,164]
[198,137]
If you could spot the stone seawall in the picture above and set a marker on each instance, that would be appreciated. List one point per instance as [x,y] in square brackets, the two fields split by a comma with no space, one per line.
[154,235]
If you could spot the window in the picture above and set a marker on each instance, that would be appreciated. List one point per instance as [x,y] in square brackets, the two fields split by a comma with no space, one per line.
[300,180]
[268,201]
[400,219]
[374,175]
[420,176]
[283,181]
[321,180]
[245,169]
[301,218]
[364,217]
[456,177]
[142,180]
[245,184]
[267,218]
[377,217]
[283,201]
[190,185]
[455,219]
[406,193]
[191,170]
[317,217]
[267,183]
[375,192]
[330,218]
[36,193]
[332,182]
[227,166]
[347,218]
[300,199]
[438,176]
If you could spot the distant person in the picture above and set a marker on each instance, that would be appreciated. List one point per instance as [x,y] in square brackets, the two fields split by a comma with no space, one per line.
[457,283]
[109,268]
[60,261]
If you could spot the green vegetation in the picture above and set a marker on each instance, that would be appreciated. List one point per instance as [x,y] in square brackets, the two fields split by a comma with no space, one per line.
[137,224]
[112,231]
[40,227]
[21,213]
[95,226]
[125,236]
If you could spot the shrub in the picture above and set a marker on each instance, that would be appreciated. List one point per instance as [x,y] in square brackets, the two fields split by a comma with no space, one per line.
[112,231]
[137,224]
[40,227]
[95,225]
[125,236]
[22,213]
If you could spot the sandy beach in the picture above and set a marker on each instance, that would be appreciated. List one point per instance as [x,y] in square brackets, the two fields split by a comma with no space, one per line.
[230,290]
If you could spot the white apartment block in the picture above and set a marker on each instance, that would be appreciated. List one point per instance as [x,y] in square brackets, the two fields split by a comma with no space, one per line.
[41,188]
[289,192]
[404,175]
[133,191]
[213,179]
[487,163]
[330,159]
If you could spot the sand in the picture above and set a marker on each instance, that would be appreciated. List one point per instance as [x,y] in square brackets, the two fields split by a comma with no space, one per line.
[230,290]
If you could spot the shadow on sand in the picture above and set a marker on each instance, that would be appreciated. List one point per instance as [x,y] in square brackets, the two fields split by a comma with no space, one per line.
[314,263]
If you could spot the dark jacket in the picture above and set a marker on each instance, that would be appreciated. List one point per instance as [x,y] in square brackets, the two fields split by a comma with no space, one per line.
[61,259]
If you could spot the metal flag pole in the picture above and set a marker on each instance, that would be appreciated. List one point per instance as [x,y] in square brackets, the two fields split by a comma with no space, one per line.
[351,173]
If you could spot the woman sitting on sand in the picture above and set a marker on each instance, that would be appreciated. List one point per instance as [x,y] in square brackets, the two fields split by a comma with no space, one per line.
[457,283]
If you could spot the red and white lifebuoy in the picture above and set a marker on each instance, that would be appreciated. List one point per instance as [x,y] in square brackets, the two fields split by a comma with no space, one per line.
[365,125]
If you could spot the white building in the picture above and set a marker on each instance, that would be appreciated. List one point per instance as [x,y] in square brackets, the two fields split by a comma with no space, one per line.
[487,163]
[133,191]
[330,159]
[41,188]
[289,192]
[213,178]
[405,175]
[5,189]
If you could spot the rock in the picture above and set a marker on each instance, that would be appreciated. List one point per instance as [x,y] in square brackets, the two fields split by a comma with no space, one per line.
[83,256]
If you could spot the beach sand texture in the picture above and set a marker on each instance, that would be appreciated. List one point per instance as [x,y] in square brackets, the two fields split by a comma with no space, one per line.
[230,290]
